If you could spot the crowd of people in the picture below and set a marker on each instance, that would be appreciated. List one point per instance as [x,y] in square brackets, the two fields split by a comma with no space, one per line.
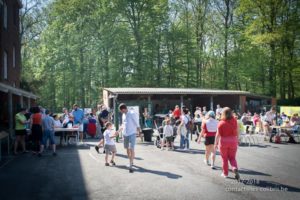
[34,127]
[220,129]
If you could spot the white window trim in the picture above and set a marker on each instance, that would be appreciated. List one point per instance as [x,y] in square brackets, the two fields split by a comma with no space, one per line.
[5,15]
[5,65]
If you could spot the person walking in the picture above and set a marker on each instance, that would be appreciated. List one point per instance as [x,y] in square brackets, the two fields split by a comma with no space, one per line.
[209,130]
[227,140]
[130,127]
[20,130]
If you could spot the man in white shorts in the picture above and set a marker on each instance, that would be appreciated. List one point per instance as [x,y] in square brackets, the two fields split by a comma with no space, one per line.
[130,126]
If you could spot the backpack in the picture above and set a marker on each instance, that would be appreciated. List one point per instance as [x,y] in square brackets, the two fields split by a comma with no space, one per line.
[189,125]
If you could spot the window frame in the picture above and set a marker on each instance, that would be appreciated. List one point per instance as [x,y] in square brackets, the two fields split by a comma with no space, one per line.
[5,16]
[5,65]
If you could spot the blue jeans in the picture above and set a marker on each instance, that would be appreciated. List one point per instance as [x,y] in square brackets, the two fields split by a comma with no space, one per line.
[184,141]
[48,134]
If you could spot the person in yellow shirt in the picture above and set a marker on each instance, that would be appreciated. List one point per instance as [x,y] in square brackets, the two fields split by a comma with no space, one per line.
[20,130]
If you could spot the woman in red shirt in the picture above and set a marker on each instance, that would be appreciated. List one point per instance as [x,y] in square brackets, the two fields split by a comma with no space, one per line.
[36,128]
[227,139]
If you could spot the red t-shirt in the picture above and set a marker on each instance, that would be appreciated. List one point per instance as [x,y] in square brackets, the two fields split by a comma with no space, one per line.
[228,127]
[176,112]
[36,118]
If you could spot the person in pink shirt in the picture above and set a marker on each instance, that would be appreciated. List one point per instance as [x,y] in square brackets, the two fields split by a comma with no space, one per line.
[227,141]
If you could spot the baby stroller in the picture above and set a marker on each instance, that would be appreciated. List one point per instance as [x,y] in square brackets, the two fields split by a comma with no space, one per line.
[158,133]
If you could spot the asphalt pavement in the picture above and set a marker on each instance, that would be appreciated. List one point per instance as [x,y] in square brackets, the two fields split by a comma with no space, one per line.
[268,171]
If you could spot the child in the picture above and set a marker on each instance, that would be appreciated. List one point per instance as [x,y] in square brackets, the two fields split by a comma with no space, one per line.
[109,143]
[168,134]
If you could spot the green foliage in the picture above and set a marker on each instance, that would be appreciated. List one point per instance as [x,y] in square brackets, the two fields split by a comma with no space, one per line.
[81,46]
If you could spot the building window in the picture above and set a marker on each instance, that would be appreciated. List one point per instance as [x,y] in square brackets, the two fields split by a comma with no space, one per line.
[14,57]
[4,15]
[16,14]
[5,65]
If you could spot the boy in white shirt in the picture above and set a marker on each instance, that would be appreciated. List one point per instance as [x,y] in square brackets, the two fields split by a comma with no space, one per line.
[168,135]
[110,146]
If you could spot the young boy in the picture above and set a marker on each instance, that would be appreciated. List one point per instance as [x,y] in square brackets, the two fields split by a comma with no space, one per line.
[168,134]
[109,143]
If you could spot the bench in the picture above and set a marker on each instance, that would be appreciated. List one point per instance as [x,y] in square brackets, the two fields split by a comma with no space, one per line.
[3,135]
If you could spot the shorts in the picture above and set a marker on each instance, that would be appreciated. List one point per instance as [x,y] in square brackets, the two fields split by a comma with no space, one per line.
[110,149]
[209,140]
[80,126]
[169,139]
[22,132]
[129,141]
[48,134]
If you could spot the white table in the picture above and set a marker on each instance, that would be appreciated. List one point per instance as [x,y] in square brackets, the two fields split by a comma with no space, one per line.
[69,130]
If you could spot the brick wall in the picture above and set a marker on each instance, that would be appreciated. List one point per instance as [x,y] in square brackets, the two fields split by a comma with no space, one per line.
[9,38]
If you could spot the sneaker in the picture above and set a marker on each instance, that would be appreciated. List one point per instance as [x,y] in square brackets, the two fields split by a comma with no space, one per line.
[223,175]
[54,154]
[113,163]
[162,149]
[213,167]
[130,170]
[97,149]
[237,175]
[185,149]
[106,164]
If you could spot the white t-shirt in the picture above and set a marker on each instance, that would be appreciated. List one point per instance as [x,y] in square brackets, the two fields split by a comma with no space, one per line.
[57,124]
[107,140]
[270,116]
[130,123]
[185,118]
[211,125]
[168,131]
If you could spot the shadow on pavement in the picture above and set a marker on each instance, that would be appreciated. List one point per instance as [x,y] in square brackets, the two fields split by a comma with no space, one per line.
[251,172]
[30,177]
[144,170]
[124,156]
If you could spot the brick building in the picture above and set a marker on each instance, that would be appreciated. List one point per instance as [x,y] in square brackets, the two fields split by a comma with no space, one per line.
[12,96]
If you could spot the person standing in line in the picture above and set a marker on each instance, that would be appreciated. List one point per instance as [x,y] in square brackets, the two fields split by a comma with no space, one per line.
[20,130]
[78,115]
[36,128]
[227,140]
[209,130]
[130,127]
[48,124]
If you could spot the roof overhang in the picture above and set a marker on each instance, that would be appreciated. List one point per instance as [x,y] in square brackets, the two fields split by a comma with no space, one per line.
[7,88]
[181,91]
